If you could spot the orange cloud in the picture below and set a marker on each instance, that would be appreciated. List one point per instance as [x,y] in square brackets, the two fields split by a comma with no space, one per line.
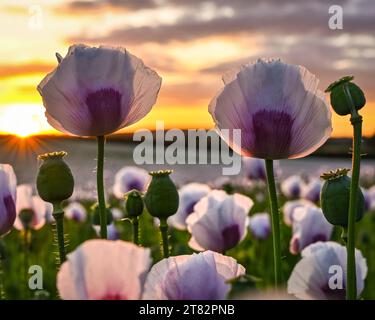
[24,69]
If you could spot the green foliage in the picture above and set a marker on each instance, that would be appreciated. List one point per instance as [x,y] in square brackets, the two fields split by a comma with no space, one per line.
[255,255]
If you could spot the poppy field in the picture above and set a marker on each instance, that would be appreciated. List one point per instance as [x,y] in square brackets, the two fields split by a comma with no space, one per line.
[259,234]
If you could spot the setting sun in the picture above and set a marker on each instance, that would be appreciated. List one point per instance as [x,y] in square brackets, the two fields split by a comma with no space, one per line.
[23,120]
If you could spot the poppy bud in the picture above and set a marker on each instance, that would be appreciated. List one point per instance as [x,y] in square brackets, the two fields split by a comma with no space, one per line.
[134,203]
[55,181]
[162,197]
[335,196]
[344,94]
[96,215]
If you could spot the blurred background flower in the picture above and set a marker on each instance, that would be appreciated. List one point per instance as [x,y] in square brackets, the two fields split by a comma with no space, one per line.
[290,207]
[219,221]
[129,178]
[260,225]
[75,211]
[8,184]
[292,186]
[189,194]
[309,226]
[31,210]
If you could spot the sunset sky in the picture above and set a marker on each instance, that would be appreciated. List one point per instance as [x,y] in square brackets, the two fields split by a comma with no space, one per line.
[190,43]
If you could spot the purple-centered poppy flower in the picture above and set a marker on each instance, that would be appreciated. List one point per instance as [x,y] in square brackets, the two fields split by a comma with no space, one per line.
[200,276]
[8,184]
[49,211]
[290,207]
[97,91]
[32,211]
[75,211]
[254,169]
[309,226]
[189,194]
[311,190]
[129,178]
[321,273]
[260,225]
[371,195]
[219,221]
[278,108]
[368,200]
[104,270]
[117,213]
[112,231]
[292,186]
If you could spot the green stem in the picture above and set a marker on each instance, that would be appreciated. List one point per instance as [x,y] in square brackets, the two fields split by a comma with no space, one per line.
[164,236]
[100,187]
[351,293]
[275,221]
[344,235]
[135,224]
[2,286]
[26,258]
[356,121]
[58,215]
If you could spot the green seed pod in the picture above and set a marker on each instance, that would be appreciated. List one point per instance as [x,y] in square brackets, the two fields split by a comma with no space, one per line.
[341,103]
[55,181]
[161,198]
[134,203]
[96,215]
[334,198]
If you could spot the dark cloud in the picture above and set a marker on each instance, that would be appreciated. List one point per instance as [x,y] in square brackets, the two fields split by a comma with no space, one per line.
[265,18]
[150,4]
[80,6]
[314,43]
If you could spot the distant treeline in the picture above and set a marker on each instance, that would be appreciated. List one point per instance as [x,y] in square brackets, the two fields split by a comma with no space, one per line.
[334,147]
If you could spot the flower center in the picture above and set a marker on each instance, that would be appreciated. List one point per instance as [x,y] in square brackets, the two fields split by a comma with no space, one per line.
[272,134]
[135,184]
[190,208]
[10,208]
[334,294]
[231,236]
[105,108]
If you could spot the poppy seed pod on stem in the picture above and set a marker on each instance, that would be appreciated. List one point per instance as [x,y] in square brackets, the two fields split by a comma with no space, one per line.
[348,98]
[162,201]
[134,203]
[134,208]
[55,181]
[335,195]
[55,184]
[340,100]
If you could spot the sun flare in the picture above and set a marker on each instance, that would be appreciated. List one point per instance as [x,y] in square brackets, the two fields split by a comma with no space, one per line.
[23,120]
